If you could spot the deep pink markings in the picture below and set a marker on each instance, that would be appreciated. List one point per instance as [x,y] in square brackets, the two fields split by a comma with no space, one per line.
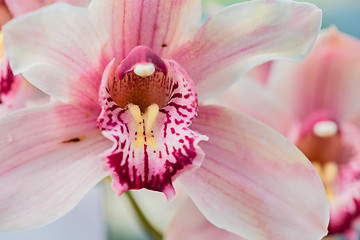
[153,167]
[6,80]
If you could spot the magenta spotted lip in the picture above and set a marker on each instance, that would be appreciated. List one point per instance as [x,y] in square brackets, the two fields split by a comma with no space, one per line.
[147,118]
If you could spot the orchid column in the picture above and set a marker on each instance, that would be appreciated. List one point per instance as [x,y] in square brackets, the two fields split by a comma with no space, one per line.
[126,77]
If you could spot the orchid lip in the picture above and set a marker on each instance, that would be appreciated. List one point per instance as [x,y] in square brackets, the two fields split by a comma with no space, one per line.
[147,105]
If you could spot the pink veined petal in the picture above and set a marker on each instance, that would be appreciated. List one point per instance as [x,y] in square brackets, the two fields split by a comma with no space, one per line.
[20,7]
[51,47]
[188,223]
[45,173]
[254,182]
[250,97]
[244,35]
[158,24]
[326,79]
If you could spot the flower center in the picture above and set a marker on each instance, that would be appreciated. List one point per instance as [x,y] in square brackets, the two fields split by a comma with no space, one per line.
[141,79]
[143,86]
[141,89]
[320,140]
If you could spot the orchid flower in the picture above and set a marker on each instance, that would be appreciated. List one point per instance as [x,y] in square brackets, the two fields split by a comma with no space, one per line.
[316,105]
[15,91]
[129,72]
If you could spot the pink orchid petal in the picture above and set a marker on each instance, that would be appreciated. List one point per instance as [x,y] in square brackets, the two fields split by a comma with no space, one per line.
[155,24]
[244,35]
[70,58]
[20,7]
[190,224]
[254,182]
[15,91]
[252,98]
[22,95]
[261,73]
[45,173]
[326,79]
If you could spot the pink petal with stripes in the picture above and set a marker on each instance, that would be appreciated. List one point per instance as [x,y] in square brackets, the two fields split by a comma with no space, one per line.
[160,25]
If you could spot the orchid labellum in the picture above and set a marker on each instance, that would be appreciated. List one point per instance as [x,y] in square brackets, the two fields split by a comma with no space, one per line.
[126,77]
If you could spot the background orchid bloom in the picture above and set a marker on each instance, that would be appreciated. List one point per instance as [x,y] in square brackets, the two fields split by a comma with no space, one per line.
[15,91]
[130,72]
[316,105]
[20,7]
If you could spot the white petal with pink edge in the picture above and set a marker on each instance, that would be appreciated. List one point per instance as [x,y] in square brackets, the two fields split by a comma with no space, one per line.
[159,24]
[49,160]
[254,182]
[244,35]
[70,58]
[188,223]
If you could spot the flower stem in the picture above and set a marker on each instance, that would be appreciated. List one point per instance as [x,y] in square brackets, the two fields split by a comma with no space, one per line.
[145,222]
